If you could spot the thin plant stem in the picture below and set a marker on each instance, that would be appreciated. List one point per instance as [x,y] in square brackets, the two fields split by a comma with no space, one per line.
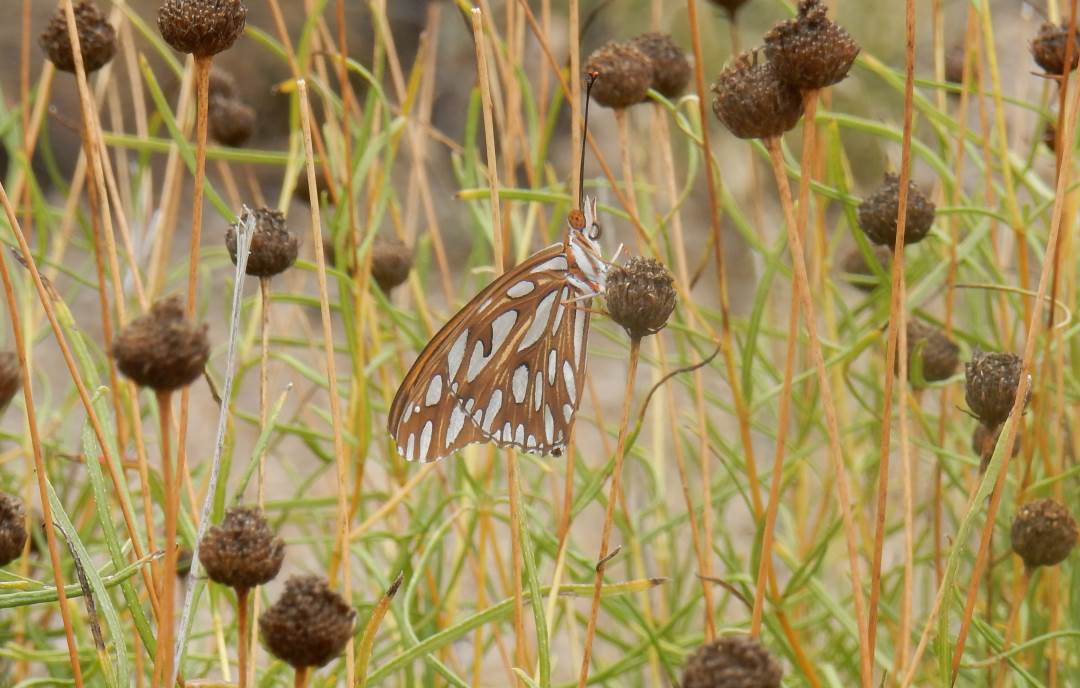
[300,677]
[1020,591]
[609,514]
[622,127]
[242,595]
[163,664]
[264,380]
[498,236]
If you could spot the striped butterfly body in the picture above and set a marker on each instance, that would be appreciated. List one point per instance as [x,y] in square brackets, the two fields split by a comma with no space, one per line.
[509,367]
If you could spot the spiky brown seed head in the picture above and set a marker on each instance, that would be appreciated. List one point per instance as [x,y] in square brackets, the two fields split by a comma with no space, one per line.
[751,100]
[202,28]
[640,296]
[939,355]
[730,6]
[810,51]
[97,38]
[10,377]
[242,551]
[671,69]
[12,528]
[1043,533]
[162,350]
[1049,47]
[991,383]
[273,247]
[309,625]
[732,662]
[625,72]
[862,276]
[231,122]
[984,440]
[878,213]
[391,261]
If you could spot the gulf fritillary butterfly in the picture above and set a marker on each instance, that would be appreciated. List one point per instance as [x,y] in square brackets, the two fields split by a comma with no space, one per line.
[509,367]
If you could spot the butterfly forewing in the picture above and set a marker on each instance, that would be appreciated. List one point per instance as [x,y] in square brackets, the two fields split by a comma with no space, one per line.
[507,368]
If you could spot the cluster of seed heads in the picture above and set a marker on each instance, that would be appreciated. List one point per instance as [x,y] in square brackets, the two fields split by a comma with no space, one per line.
[992,380]
[273,247]
[202,28]
[309,625]
[640,296]
[932,350]
[162,350]
[1043,533]
[732,662]
[878,213]
[97,38]
[12,528]
[627,70]
[1050,47]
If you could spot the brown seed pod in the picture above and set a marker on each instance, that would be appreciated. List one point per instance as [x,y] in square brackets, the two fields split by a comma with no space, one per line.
[183,562]
[640,296]
[242,552]
[231,121]
[983,441]
[939,355]
[162,350]
[751,100]
[732,662]
[671,69]
[322,185]
[273,247]
[625,72]
[10,377]
[1043,533]
[992,381]
[1049,46]
[391,261]
[730,6]
[12,528]
[309,625]
[97,38]
[811,51]
[862,275]
[878,213]
[202,28]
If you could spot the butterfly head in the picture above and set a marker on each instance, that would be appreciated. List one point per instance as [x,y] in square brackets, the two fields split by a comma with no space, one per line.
[583,248]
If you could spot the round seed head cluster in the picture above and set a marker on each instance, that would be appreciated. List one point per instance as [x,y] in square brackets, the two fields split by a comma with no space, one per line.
[811,51]
[12,528]
[273,247]
[162,350]
[97,38]
[1043,533]
[10,377]
[752,102]
[242,552]
[671,69]
[984,440]
[991,383]
[625,72]
[732,662]
[640,296]
[309,625]
[939,355]
[878,213]
[202,28]
[231,121]
[731,6]
[391,261]
[854,263]
[1049,48]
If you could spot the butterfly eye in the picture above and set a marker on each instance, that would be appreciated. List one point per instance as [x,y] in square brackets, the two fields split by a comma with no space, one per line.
[594,231]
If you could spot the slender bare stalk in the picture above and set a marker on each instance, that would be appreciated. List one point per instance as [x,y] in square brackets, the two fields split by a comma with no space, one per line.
[622,126]
[609,514]
[166,596]
[500,240]
[300,679]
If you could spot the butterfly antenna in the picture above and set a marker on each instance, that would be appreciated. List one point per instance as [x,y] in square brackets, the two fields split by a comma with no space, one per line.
[590,79]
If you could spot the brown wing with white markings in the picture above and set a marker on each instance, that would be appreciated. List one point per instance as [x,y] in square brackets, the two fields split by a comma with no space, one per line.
[508,368]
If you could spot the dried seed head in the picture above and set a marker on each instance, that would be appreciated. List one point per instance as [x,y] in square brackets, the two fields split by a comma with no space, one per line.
[878,213]
[751,100]
[183,562]
[242,552]
[626,74]
[391,261]
[1049,47]
[10,377]
[811,51]
[322,185]
[671,69]
[97,38]
[640,296]
[983,441]
[202,28]
[992,381]
[273,246]
[12,528]
[862,275]
[309,625]
[731,6]
[162,350]
[231,121]
[732,662]
[954,64]
[939,355]
[1043,533]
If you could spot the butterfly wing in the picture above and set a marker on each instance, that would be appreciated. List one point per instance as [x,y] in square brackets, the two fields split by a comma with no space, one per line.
[507,368]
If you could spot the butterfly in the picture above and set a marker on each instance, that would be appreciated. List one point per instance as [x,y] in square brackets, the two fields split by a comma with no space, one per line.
[509,367]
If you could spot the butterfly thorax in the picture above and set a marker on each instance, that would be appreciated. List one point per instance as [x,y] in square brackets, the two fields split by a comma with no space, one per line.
[587,269]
